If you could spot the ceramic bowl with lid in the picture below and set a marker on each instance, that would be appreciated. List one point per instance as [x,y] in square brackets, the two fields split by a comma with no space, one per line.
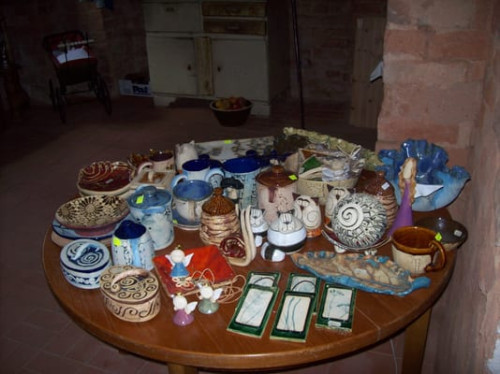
[130,293]
[83,261]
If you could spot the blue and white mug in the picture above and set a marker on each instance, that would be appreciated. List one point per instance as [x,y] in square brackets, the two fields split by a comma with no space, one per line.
[199,169]
[243,170]
[132,245]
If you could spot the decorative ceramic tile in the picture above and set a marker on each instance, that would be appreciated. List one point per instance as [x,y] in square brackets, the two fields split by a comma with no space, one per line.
[253,310]
[305,283]
[294,316]
[263,279]
[336,307]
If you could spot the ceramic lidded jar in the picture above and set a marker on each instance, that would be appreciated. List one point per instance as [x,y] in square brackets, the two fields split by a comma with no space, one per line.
[152,207]
[275,191]
[287,233]
[218,219]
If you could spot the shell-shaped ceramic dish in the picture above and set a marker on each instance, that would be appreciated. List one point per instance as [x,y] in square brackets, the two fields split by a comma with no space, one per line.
[431,170]
[96,213]
[105,178]
[359,220]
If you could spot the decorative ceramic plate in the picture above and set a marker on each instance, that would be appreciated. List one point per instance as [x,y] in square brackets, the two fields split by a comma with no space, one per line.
[96,213]
[71,234]
[105,178]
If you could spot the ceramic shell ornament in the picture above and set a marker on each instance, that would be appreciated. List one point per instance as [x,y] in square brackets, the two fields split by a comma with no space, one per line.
[359,220]
[306,208]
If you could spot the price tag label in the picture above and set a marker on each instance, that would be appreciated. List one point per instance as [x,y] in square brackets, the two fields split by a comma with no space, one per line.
[140,199]
[116,241]
[438,237]
[293,177]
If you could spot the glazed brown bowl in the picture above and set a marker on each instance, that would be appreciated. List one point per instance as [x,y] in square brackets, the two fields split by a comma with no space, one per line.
[453,233]
[231,117]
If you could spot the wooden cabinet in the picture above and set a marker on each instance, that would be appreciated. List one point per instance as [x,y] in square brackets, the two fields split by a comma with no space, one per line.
[210,49]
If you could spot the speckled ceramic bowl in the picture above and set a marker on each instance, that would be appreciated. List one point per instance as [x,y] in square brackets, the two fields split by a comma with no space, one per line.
[453,233]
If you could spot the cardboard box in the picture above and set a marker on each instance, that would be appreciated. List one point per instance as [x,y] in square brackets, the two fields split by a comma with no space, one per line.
[127,87]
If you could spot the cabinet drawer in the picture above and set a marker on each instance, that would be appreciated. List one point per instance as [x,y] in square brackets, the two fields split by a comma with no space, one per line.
[234,9]
[172,17]
[242,27]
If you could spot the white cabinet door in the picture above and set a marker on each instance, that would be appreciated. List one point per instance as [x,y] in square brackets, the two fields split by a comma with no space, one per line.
[240,68]
[172,65]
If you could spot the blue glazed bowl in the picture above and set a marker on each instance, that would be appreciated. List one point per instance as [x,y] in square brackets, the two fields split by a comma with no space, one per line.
[431,170]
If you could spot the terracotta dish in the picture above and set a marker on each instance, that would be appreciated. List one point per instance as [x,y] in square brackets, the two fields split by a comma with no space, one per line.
[105,178]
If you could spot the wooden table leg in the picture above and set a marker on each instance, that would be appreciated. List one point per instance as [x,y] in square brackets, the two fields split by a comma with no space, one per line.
[181,369]
[415,340]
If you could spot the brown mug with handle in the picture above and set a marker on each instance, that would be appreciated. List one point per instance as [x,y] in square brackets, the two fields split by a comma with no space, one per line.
[417,250]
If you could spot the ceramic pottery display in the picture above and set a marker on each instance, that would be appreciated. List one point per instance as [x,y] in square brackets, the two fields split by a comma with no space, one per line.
[152,208]
[287,233]
[105,178]
[306,208]
[245,171]
[453,234]
[130,293]
[417,250]
[359,220]
[218,219]
[437,185]
[92,215]
[132,245]
[335,194]
[83,261]
[377,274]
[374,183]
[275,191]
[189,197]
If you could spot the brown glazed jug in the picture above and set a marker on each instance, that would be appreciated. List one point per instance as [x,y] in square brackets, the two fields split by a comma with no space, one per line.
[275,191]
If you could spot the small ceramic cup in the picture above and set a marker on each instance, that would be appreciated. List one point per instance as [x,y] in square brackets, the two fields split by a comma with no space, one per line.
[188,199]
[416,250]
[199,169]
[159,162]
[132,245]
[244,170]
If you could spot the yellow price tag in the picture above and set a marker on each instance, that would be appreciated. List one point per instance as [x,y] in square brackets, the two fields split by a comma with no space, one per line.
[175,221]
[293,177]
[438,237]
[228,141]
[116,241]
[140,199]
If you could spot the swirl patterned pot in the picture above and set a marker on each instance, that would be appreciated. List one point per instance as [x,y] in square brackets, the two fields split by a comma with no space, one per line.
[359,220]
[130,293]
[83,261]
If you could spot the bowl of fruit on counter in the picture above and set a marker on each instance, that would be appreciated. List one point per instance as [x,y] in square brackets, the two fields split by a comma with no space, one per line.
[232,111]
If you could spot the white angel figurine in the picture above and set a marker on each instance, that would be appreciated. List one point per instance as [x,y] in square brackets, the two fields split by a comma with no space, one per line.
[179,262]
[209,297]
[183,309]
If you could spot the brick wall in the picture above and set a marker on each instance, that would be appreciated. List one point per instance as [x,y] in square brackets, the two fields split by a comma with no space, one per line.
[441,75]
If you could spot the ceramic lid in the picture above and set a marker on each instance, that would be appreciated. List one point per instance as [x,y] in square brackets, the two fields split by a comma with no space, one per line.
[276,176]
[149,197]
[83,258]
[129,284]
[218,205]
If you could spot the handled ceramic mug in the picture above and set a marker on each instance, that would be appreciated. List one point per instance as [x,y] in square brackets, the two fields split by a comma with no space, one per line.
[132,245]
[189,197]
[159,162]
[416,249]
[199,169]
[240,176]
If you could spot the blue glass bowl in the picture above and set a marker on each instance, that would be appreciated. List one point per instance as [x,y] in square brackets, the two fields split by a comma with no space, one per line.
[431,169]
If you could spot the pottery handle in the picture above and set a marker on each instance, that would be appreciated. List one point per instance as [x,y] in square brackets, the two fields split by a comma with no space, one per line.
[143,166]
[131,272]
[441,253]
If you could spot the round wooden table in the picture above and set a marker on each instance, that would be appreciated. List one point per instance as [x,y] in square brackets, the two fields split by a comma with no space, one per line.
[207,344]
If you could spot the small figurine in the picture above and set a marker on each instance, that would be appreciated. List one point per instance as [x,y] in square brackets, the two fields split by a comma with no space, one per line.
[183,310]
[209,297]
[179,262]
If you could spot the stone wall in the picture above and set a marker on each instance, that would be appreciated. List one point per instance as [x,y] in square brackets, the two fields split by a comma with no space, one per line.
[441,75]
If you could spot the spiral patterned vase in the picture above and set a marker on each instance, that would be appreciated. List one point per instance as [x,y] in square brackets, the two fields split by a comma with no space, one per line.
[359,220]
